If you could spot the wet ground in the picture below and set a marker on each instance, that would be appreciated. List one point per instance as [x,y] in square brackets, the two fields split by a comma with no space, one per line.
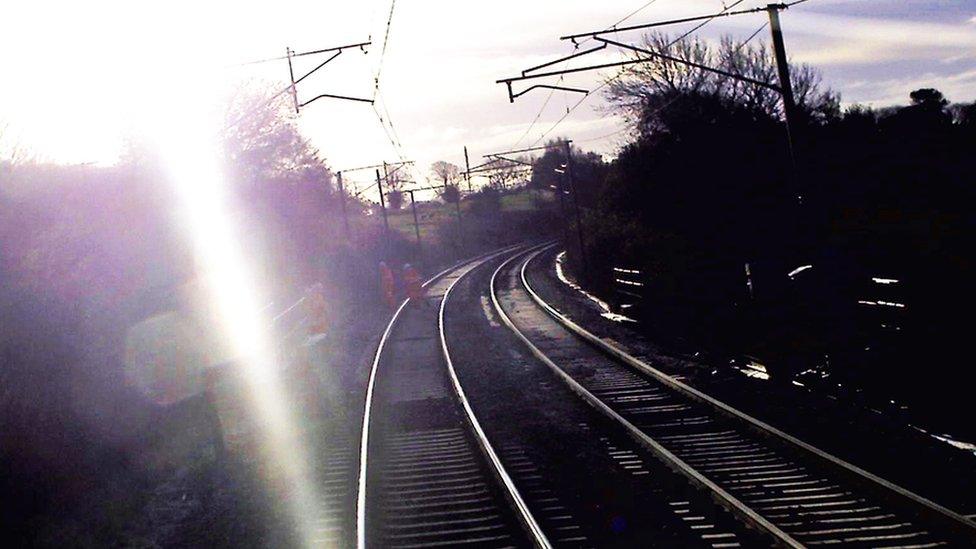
[883,444]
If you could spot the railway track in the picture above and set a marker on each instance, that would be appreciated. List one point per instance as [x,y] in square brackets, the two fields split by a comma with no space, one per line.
[796,494]
[588,483]
[434,478]
[428,475]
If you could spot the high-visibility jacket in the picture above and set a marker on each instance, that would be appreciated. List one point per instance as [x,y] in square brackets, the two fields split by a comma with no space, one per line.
[413,283]
[387,285]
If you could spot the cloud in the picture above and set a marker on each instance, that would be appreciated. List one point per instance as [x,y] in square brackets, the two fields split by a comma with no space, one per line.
[839,39]
[893,91]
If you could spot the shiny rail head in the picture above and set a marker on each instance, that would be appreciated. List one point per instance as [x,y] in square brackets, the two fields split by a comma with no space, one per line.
[361,487]
[954,522]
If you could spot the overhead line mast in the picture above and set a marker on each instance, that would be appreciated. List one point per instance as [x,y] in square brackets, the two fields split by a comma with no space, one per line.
[784,88]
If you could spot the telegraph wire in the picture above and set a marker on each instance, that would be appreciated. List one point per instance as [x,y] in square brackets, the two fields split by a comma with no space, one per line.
[384,118]
[551,92]
[753,35]
[386,40]
[623,72]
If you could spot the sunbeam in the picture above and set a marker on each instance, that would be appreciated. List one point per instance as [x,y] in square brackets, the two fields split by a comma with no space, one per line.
[226,270]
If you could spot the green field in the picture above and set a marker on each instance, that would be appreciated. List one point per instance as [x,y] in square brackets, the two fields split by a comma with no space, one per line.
[432,214]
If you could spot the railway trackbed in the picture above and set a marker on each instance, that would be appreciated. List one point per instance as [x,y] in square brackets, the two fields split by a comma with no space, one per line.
[796,493]
[438,473]
[427,474]
[469,440]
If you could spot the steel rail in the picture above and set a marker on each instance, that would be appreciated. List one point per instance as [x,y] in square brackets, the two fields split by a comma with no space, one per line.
[956,522]
[723,497]
[530,522]
[368,402]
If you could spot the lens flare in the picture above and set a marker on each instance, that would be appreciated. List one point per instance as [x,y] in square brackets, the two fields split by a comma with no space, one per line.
[187,139]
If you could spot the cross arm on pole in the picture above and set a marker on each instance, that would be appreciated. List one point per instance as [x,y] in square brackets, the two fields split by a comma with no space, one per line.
[430,188]
[496,168]
[293,88]
[651,55]
[332,96]
[561,59]
[666,57]
[360,45]
[374,166]
[512,96]
[479,166]
[514,161]
[320,65]
[508,81]
[530,149]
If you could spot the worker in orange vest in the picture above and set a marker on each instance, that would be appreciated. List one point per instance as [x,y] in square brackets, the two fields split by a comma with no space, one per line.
[413,285]
[387,285]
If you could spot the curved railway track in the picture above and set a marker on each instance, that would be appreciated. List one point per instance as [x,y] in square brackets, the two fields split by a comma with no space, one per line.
[795,493]
[586,481]
[428,475]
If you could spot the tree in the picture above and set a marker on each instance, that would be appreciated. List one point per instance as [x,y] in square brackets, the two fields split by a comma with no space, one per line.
[548,171]
[263,144]
[646,90]
[505,173]
[449,175]
[964,114]
[445,172]
[281,181]
[450,193]
[928,97]
[394,200]
[12,153]
[928,113]
[394,187]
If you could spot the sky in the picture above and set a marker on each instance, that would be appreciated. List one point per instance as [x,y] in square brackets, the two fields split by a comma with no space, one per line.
[79,77]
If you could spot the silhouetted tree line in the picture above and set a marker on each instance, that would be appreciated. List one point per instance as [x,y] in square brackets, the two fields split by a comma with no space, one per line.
[706,187]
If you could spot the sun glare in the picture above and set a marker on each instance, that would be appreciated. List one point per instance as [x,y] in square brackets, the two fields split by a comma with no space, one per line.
[226,271]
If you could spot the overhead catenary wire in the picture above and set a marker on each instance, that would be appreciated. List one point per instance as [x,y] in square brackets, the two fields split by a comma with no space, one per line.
[624,72]
[390,131]
[552,91]
[384,117]
[753,35]
[386,41]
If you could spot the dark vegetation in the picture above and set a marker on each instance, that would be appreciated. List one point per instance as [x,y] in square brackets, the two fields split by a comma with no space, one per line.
[86,252]
[706,187]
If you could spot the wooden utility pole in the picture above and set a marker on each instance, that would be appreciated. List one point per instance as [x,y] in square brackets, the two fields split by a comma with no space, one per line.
[467,170]
[576,207]
[416,223]
[786,90]
[342,204]
[457,206]
[386,222]
[291,73]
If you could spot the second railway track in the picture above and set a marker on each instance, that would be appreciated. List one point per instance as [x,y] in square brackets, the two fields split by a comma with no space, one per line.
[797,494]
[649,457]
